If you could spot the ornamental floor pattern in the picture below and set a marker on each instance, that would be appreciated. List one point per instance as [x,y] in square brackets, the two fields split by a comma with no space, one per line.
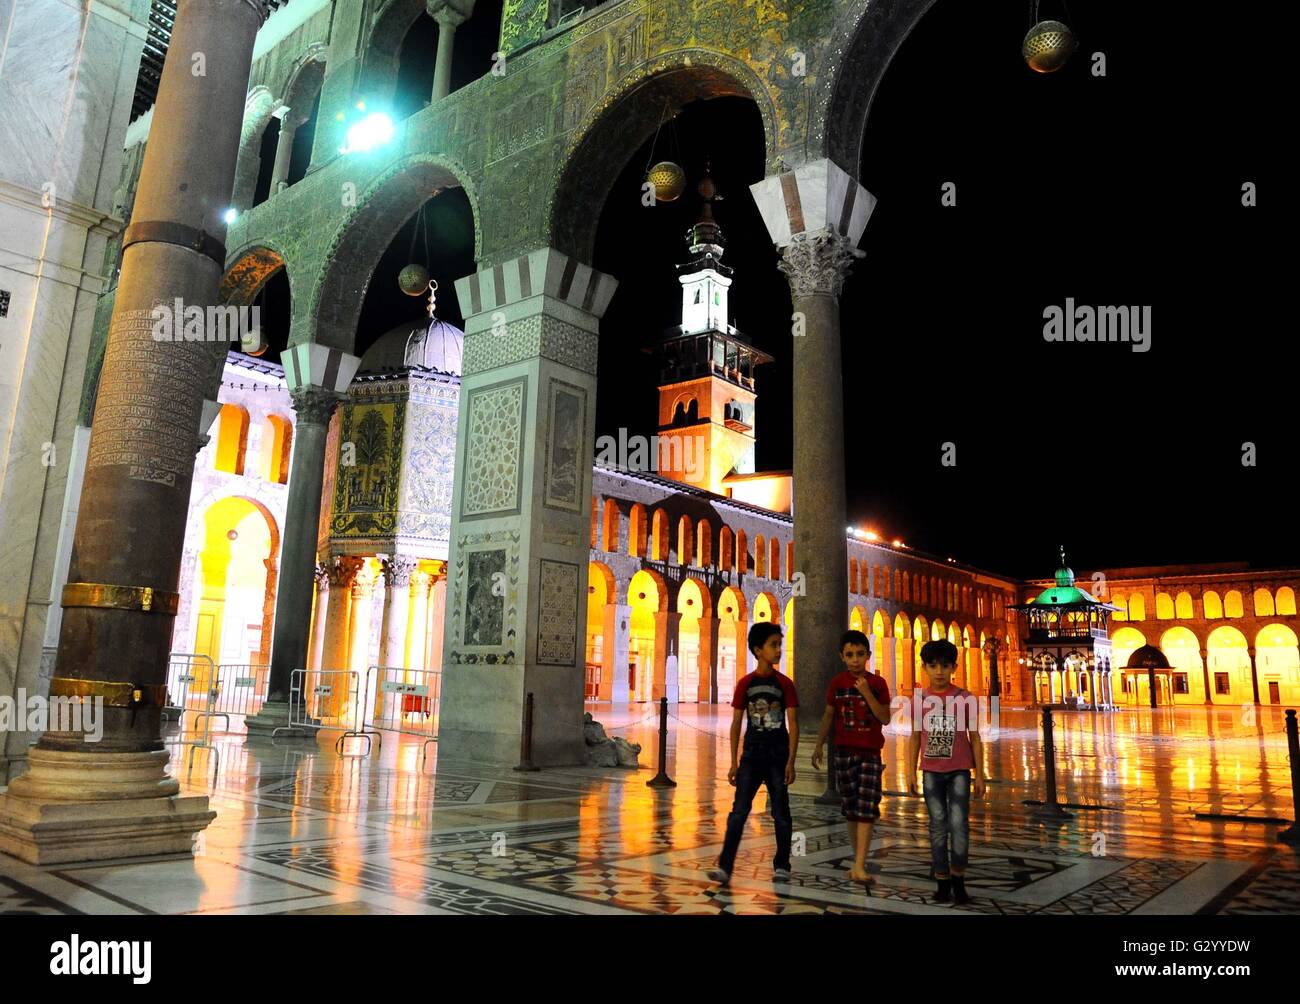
[300,830]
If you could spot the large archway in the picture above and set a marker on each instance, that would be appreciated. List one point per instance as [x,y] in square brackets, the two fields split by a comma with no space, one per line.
[1278,661]
[647,595]
[733,653]
[236,585]
[387,205]
[1229,658]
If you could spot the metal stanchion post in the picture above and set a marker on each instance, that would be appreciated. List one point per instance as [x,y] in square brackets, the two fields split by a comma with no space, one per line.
[662,780]
[831,795]
[1050,806]
[1292,833]
[526,752]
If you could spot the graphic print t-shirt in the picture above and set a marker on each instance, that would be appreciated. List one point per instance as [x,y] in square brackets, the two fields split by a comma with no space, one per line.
[855,726]
[764,700]
[945,724]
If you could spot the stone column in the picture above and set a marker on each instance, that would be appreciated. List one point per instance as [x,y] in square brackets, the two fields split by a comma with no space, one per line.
[78,801]
[708,660]
[449,16]
[397,572]
[815,215]
[887,661]
[317,377]
[437,620]
[284,151]
[608,652]
[667,623]
[521,509]
[335,653]
[1254,674]
[1205,673]
[318,617]
[622,638]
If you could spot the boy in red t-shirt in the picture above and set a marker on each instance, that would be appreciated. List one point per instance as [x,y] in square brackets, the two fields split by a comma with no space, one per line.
[857,703]
[767,700]
[949,732]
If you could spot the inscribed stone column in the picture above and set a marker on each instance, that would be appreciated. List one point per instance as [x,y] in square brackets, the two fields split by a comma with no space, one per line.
[521,509]
[397,604]
[815,215]
[80,801]
[316,376]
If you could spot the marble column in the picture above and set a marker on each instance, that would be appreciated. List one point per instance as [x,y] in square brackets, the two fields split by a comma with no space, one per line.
[710,631]
[521,509]
[815,215]
[608,652]
[437,619]
[449,16]
[397,572]
[320,612]
[284,151]
[335,653]
[622,642]
[317,377]
[78,801]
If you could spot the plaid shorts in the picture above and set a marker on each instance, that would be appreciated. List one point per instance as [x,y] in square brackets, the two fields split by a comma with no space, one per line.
[857,779]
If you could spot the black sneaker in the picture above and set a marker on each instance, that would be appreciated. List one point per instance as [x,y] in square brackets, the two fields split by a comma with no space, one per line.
[780,874]
[959,895]
[944,893]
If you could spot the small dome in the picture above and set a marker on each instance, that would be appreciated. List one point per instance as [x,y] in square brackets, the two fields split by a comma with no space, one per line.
[1065,577]
[437,346]
[1147,657]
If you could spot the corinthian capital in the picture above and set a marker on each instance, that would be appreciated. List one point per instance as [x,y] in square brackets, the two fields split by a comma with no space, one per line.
[343,571]
[450,12]
[398,570]
[817,262]
[314,405]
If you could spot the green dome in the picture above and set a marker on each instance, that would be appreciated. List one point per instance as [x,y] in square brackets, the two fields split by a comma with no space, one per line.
[1063,594]
[1065,577]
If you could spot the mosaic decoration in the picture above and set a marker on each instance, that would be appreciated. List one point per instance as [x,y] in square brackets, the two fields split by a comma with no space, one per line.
[484,598]
[566,421]
[366,492]
[522,23]
[429,469]
[539,335]
[557,618]
[493,450]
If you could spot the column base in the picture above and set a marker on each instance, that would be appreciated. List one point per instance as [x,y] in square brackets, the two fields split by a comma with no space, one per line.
[98,807]
[274,715]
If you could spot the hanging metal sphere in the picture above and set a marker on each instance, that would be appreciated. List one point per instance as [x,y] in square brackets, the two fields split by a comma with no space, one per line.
[414,280]
[669,180]
[1048,45]
[252,343]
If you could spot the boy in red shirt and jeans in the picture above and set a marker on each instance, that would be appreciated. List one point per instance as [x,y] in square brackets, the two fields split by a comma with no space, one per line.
[947,741]
[857,703]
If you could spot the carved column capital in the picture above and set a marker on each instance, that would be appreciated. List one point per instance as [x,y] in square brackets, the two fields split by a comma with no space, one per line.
[398,570]
[322,575]
[314,405]
[343,571]
[449,13]
[817,262]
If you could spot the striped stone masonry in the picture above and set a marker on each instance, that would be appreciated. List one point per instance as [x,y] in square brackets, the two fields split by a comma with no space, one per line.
[313,365]
[817,196]
[541,281]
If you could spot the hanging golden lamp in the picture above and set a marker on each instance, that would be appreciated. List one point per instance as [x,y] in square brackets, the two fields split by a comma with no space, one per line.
[1048,45]
[667,177]
[413,279]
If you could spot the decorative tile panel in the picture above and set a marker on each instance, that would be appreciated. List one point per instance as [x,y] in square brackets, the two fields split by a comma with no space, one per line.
[493,450]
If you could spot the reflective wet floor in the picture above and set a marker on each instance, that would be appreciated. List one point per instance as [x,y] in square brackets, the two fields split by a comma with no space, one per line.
[300,829]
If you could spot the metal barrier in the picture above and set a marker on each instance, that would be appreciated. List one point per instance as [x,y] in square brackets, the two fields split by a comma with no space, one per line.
[327,699]
[191,689]
[405,701]
[240,690]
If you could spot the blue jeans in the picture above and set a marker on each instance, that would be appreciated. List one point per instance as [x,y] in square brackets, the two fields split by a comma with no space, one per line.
[947,799]
[757,767]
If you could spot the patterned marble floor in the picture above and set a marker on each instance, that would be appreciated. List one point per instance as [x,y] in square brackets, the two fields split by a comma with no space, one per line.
[300,830]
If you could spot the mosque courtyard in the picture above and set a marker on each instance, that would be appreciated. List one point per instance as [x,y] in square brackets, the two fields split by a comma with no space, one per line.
[301,830]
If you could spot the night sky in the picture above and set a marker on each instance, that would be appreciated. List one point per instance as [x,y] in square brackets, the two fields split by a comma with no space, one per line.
[1119,190]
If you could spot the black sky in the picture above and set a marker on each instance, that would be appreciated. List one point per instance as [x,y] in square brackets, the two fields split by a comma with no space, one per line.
[1123,189]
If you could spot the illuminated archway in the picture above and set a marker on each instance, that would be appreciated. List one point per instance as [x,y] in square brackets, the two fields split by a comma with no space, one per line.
[241,543]
[1286,602]
[647,596]
[857,619]
[733,656]
[232,439]
[1278,662]
[1229,665]
[1232,605]
[600,640]
[693,643]
[277,442]
[1184,654]
[1212,605]
[1263,601]
[788,649]
[1123,643]
[902,664]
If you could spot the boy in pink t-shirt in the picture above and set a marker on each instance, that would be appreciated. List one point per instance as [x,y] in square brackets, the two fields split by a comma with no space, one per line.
[946,741]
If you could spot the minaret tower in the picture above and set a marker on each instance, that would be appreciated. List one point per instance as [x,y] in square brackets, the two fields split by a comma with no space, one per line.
[706,369]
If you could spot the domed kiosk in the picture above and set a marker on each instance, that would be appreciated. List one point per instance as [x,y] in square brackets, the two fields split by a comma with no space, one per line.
[1067,644]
